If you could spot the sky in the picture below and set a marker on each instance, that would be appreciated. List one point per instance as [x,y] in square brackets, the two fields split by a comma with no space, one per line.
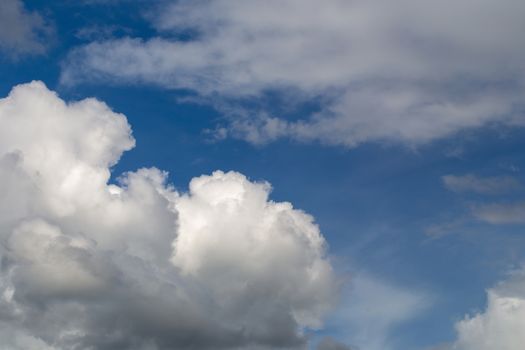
[262,175]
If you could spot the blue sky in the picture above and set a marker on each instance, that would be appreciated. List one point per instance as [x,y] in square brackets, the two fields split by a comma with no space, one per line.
[406,148]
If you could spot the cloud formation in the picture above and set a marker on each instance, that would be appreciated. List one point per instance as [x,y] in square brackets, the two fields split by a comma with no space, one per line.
[365,318]
[482,185]
[493,212]
[409,71]
[501,213]
[331,344]
[137,265]
[22,32]
[501,324]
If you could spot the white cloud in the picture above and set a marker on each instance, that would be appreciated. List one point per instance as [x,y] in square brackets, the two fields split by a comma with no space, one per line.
[227,224]
[137,265]
[482,185]
[22,32]
[408,71]
[501,324]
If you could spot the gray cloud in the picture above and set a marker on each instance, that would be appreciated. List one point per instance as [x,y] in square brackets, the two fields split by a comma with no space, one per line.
[331,344]
[409,71]
[22,32]
[137,265]
[483,185]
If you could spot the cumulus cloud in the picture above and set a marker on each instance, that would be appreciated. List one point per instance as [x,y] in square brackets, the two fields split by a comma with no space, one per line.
[137,265]
[408,71]
[22,32]
[501,324]
[482,185]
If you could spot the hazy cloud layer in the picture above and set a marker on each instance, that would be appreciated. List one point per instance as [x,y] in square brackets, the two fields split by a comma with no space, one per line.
[331,344]
[501,213]
[22,32]
[137,265]
[482,185]
[509,211]
[373,308]
[410,71]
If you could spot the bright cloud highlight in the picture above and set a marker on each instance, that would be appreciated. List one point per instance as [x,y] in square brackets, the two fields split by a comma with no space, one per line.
[138,265]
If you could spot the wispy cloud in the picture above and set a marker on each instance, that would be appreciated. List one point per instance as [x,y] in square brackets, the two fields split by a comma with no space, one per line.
[501,213]
[407,72]
[22,32]
[373,308]
[508,211]
[482,185]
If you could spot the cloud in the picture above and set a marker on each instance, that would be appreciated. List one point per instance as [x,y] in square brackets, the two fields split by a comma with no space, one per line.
[331,344]
[409,72]
[509,212]
[501,213]
[482,185]
[368,317]
[137,264]
[501,324]
[22,32]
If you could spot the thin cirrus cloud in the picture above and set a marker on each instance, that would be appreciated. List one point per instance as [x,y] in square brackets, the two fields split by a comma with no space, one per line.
[364,319]
[483,185]
[410,71]
[22,32]
[501,213]
[138,265]
[495,212]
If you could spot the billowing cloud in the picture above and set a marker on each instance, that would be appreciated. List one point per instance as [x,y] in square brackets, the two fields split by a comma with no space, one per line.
[501,324]
[137,265]
[408,71]
[482,185]
[22,32]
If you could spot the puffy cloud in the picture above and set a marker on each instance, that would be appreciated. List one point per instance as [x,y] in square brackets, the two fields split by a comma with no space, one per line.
[501,325]
[482,185]
[408,71]
[136,264]
[226,224]
[22,32]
